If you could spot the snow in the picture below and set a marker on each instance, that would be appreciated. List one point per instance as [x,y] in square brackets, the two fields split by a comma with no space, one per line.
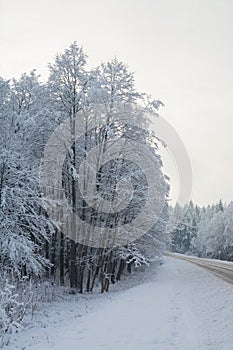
[183,307]
[204,259]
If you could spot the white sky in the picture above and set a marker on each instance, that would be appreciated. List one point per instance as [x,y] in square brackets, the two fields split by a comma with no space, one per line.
[180,50]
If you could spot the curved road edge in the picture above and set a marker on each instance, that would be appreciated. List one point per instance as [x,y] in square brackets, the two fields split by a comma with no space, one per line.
[221,269]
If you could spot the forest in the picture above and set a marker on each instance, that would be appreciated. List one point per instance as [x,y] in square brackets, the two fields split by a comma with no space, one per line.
[203,231]
[42,242]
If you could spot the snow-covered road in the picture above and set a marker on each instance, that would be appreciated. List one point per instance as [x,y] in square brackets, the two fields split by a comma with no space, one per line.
[183,308]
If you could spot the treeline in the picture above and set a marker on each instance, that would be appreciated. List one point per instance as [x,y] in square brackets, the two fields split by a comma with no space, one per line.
[32,247]
[203,231]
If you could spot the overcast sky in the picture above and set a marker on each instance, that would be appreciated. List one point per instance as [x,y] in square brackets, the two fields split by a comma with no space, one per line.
[180,50]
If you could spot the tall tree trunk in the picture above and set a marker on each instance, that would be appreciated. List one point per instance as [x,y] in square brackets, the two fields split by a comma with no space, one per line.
[73,249]
[62,281]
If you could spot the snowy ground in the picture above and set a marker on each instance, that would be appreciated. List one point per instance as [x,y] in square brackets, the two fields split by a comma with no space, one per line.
[183,307]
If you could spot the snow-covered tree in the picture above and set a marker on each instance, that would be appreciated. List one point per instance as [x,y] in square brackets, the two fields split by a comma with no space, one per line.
[23,226]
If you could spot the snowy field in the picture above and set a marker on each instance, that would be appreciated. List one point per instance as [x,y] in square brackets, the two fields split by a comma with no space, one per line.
[183,307]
